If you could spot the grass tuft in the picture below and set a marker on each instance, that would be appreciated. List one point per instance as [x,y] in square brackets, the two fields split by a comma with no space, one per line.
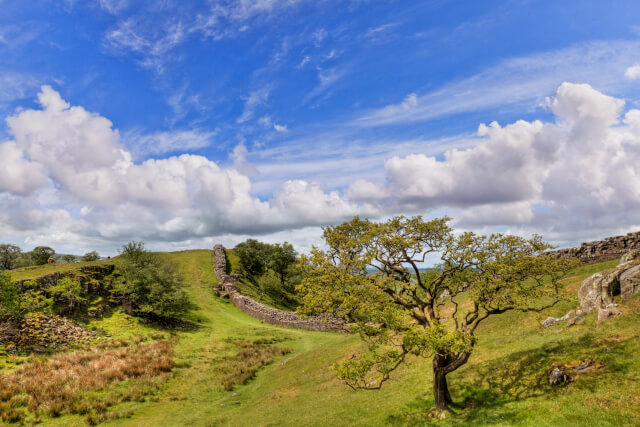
[59,385]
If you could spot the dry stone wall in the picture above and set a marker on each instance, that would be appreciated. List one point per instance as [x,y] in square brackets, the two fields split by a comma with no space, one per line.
[263,312]
[603,250]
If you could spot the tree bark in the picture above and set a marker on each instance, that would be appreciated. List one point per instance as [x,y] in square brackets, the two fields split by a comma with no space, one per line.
[441,391]
[440,388]
[441,395]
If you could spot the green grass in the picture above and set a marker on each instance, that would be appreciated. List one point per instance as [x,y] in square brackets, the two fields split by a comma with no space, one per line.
[504,382]
[34,272]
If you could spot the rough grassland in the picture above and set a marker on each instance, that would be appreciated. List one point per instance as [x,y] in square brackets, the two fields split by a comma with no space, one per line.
[503,384]
[28,273]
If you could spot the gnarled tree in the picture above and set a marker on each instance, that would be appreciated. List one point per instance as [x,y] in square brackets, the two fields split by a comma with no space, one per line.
[370,275]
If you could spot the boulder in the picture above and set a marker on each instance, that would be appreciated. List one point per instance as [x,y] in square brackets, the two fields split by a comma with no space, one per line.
[558,376]
[598,290]
[568,315]
[576,320]
[609,311]
[630,256]
[630,282]
[550,321]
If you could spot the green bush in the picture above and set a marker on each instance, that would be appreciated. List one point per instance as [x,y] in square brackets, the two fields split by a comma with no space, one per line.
[69,258]
[149,286]
[91,256]
[68,293]
[9,298]
[33,299]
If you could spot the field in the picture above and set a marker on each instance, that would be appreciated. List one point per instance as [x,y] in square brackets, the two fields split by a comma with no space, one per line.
[505,382]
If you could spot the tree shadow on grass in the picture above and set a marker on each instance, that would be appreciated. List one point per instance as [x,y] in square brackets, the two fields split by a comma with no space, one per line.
[482,392]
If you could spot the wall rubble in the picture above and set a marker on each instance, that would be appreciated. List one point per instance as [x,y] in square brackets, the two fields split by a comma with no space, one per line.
[263,312]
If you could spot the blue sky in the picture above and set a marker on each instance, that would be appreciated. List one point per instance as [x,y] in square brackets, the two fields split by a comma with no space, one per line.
[308,112]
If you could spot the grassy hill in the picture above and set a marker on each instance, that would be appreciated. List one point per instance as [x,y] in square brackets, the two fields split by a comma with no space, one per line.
[505,382]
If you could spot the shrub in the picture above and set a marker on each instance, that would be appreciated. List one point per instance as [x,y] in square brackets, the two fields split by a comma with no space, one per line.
[91,256]
[150,287]
[68,292]
[9,298]
[33,299]
[69,258]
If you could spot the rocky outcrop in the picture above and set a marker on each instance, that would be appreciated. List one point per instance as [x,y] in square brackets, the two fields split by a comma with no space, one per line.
[95,283]
[227,283]
[90,278]
[603,250]
[630,282]
[597,291]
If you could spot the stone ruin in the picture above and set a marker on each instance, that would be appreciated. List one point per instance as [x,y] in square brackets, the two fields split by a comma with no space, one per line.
[227,284]
[603,250]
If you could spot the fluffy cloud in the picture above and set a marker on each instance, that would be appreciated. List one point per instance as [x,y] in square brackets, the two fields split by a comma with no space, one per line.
[633,72]
[579,172]
[67,170]
[17,174]
[68,179]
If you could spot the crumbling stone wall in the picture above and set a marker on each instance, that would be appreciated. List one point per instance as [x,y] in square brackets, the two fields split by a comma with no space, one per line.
[603,250]
[263,312]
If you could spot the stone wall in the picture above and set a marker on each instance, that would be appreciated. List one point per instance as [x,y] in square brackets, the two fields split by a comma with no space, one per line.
[603,250]
[263,312]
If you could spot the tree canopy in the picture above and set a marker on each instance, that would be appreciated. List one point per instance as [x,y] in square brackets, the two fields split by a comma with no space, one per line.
[150,286]
[9,255]
[91,256]
[41,254]
[400,310]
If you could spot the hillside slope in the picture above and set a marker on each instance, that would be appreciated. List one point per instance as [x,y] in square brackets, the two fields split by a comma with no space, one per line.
[505,382]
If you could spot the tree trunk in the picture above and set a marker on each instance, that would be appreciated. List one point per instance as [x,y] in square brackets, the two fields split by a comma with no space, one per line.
[440,388]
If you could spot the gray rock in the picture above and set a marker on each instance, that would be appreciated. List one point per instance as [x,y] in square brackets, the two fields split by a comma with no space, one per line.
[575,321]
[568,315]
[609,248]
[630,282]
[606,313]
[550,321]
[598,290]
[630,256]
[558,377]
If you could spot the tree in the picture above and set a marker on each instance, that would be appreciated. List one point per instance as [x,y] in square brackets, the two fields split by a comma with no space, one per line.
[9,255]
[399,310]
[91,256]
[254,257]
[151,287]
[68,258]
[41,254]
[280,259]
